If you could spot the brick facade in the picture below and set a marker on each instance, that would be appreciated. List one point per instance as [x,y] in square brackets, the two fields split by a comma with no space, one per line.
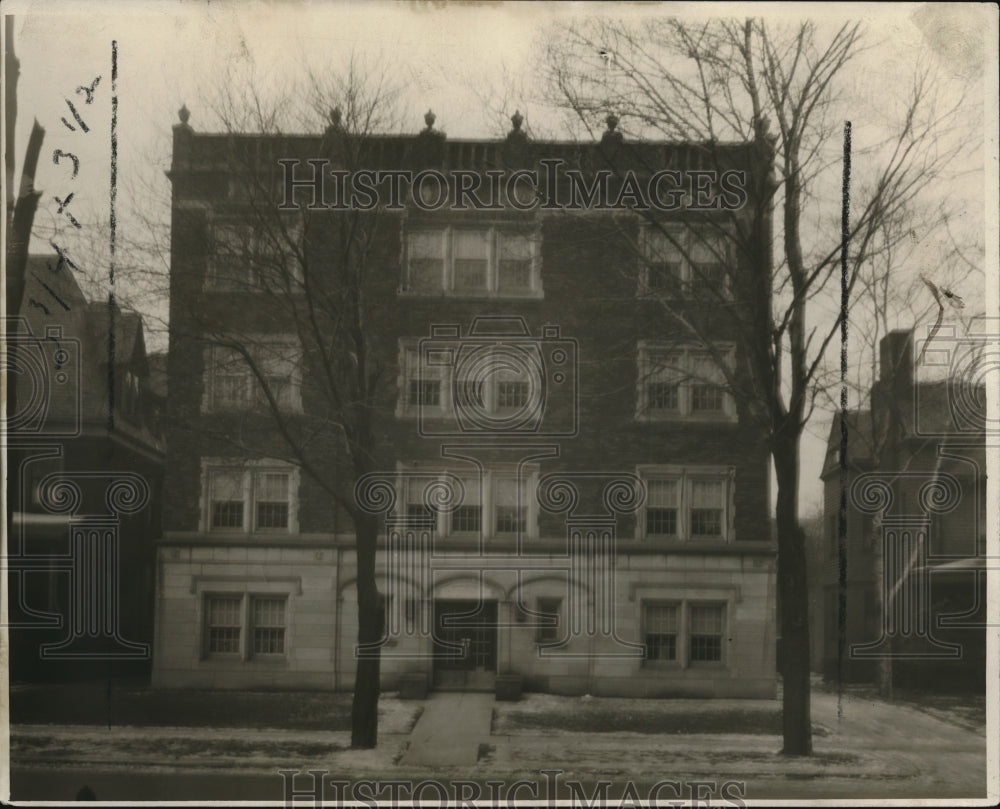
[583,300]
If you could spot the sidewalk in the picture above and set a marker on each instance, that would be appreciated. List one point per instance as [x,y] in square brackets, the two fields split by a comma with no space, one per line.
[450,730]
[863,747]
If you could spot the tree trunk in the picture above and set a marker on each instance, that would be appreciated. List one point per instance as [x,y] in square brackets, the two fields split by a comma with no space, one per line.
[793,591]
[371,628]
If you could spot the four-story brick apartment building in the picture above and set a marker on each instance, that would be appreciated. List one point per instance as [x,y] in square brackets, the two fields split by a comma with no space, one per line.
[568,492]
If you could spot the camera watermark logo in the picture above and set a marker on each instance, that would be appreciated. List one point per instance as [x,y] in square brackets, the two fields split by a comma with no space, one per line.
[906,632]
[45,370]
[499,380]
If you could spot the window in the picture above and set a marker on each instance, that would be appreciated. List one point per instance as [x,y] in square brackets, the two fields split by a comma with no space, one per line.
[271,500]
[706,628]
[467,518]
[495,504]
[659,623]
[251,498]
[683,632]
[686,503]
[548,619]
[227,614]
[227,498]
[268,615]
[683,383]
[424,387]
[231,384]
[253,257]
[497,389]
[511,507]
[515,266]
[661,507]
[426,252]
[676,261]
[494,261]
[224,624]
[707,508]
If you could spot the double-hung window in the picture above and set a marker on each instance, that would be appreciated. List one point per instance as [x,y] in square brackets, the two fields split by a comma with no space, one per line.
[705,631]
[467,518]
[244,625]
[494,504]
[686,503]
[684,632]
[486,260]
[510,507]
[488,389]
[250,499]
[659,627]
[684,383]
[684,262]
[253,257]
[265,373]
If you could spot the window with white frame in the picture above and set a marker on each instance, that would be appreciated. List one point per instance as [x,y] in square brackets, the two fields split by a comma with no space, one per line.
[244,625]
[495,504]
[498,389]
[680,382]
[233,385]
[250,499]
[684,261]
[487,260]
[686,503]
[249,257]
[684,632]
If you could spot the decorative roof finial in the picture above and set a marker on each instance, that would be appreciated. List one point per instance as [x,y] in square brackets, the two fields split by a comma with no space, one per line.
[611,121]
[430,118]
[184,113]
[611,136]
[517,119]
[335,116]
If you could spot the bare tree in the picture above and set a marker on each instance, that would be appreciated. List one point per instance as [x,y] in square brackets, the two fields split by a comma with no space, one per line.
[20,208]
[713,84]
[305,342]
[894,291]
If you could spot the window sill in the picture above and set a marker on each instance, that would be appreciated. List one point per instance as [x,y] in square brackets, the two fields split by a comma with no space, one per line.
[236,661]
[466,294]
[706,418]
[662,665]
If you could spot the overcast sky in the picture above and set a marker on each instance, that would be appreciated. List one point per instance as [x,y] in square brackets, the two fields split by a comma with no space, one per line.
[449,55]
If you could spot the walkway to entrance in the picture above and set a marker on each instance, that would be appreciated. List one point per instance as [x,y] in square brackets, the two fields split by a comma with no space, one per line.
[450,729]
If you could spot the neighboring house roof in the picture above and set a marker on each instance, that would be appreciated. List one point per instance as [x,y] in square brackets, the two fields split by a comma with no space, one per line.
[859,431]
[943,410]
[58,315]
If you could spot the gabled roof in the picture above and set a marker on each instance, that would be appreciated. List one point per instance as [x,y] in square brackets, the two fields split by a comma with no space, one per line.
[941,410]
[58,315]
[859,431]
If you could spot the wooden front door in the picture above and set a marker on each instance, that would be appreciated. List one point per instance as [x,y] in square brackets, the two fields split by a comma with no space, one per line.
[465,644]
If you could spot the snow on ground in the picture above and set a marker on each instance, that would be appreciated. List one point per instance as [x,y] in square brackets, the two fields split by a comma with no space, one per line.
[866,741]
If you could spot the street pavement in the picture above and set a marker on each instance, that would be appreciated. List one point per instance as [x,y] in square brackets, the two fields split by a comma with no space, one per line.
[864,748]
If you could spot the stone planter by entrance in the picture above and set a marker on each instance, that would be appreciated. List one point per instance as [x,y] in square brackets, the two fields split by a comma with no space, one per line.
[508,687]
[413,686]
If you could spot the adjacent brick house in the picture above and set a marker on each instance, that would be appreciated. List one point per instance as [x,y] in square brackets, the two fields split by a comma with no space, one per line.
[603,526]
[916,480]
[85,456]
